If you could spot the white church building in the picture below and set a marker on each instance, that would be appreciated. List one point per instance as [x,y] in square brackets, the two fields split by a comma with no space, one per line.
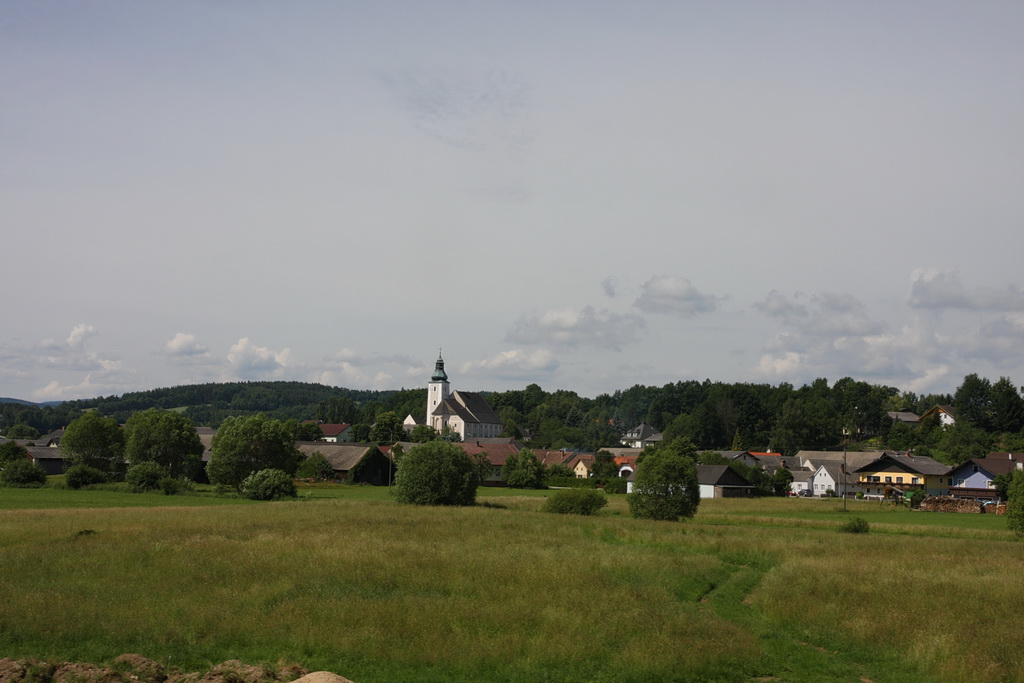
[463,412]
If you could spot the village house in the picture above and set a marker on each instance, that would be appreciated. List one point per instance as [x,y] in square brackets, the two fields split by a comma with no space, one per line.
[898,474]
[641,436]
[976,477]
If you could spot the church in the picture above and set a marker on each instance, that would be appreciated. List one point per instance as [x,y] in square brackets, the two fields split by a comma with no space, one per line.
[463,412]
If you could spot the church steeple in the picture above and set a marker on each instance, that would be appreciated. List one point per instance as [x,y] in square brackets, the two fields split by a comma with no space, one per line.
[437,392]
[439,373]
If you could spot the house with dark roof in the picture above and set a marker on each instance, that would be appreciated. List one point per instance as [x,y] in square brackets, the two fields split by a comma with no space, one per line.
[945,414]
[904,416]
[641,436]
[352,462]
[976,477]
[721,481]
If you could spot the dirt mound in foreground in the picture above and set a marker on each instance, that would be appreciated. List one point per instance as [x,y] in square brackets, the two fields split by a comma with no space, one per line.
[132,668]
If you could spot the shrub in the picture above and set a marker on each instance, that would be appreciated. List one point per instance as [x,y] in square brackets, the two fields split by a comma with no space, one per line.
[23,473]
[915,498]
[860,495]
[170,486]
[857,525]
[436,473]
[315,467]
[145,476]
[78,476]
[616,485]
[575,502]
[269,484]
[1015,504]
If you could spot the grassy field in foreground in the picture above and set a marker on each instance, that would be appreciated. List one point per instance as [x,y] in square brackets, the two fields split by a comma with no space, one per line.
[377,591]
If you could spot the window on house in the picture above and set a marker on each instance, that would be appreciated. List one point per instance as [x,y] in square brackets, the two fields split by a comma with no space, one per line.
[899,480]
[915,480]
[989,484]
[888,480]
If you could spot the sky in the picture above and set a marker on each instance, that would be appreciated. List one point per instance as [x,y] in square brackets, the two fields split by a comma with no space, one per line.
[585,195]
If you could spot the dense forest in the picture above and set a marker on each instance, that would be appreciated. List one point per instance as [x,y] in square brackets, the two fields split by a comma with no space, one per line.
[714,415]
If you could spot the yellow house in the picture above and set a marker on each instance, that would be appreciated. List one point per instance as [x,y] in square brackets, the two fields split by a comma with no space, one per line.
[900,474]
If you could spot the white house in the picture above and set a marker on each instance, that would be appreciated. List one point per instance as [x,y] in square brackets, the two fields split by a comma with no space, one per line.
[831,477]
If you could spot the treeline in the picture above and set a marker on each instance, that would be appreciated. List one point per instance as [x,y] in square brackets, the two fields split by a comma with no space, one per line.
[713,415]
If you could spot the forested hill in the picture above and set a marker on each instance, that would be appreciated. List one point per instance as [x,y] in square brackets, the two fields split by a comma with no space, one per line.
[209,404]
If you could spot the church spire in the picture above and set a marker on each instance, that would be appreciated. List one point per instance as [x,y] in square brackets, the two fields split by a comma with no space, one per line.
[439,373]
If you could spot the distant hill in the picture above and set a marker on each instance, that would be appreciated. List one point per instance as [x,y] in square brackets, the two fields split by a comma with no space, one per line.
[22,402]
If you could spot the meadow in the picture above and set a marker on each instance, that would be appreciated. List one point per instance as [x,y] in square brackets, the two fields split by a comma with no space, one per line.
[346,580]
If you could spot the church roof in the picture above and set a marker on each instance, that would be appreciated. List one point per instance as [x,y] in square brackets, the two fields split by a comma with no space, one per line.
[468,405]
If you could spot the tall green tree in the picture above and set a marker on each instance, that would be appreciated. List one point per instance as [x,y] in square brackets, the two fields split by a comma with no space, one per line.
[436,473]
[604,466]
[168,439]
[1007,406]
[665,483]
[388,429]
[22,431]
[244,445]
[973,401]
[95,441]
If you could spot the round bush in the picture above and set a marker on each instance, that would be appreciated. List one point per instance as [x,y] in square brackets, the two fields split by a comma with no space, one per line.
[145,476]
[22,473]
[436,473]
[269,484]
[857,525]
[78,476]
[575,502]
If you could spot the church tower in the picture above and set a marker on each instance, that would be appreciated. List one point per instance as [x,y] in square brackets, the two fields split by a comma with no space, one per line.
[437,391]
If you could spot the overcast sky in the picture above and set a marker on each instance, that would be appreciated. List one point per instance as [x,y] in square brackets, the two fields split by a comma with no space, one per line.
[582,194]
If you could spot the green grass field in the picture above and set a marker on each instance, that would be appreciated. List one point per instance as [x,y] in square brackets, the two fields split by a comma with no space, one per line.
[346,580]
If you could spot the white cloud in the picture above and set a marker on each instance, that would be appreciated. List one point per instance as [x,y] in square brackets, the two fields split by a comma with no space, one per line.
[249,361]
[184,345]
[610,287]
[594,327]
[55,391]
[944,290]
[514,364]
[79,334]
[674,295]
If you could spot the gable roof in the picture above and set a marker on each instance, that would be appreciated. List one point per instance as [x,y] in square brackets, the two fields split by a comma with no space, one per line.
[334,429]
[915,463]
[341,456]
[642,432]
[993,467]
[853,459]
[903,416]
[497,453]
[720,475]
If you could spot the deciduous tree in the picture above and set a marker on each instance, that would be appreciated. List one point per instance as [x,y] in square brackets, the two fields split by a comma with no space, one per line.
[244,445]
[665,485]
[522,470]
[95,441]
[436,473]
[168,439]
